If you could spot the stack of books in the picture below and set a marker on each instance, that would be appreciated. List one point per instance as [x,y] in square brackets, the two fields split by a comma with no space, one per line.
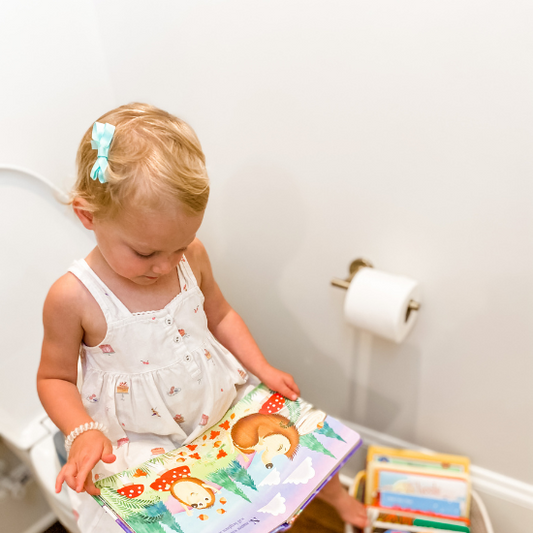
[412,491]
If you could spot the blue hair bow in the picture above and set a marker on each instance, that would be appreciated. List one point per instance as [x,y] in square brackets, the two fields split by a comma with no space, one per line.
[102,137]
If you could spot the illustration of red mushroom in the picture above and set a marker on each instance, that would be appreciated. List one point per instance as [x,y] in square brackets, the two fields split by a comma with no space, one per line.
[164,482]
[274,404]
[131,491]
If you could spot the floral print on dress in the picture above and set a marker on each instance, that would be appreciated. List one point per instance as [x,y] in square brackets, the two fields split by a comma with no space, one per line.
[183,333]
[209,357]
[150,363]
[106,348]
[122,388]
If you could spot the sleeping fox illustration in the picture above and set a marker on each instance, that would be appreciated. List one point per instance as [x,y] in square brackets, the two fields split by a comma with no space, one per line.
[272,434]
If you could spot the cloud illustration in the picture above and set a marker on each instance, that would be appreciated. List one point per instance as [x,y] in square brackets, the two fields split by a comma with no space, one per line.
[302,474]
[273,478]
[275,506]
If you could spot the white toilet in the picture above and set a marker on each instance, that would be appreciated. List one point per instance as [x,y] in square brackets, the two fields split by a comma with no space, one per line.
[39,238]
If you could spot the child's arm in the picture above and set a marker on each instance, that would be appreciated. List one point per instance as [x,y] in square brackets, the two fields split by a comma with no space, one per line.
[229,328]
[56,384]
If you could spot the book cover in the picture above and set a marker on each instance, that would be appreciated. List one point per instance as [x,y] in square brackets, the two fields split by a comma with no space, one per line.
[412,458]
[412,489]
[255,469]
[404,518]
[446,494]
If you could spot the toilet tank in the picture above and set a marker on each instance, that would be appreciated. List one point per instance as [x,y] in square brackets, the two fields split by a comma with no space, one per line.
[39,239]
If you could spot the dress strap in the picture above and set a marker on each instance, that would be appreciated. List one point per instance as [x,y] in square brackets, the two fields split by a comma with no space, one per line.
[187,278]
[111,306]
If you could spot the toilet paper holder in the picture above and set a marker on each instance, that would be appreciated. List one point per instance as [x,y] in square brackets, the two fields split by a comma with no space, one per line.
[357,265]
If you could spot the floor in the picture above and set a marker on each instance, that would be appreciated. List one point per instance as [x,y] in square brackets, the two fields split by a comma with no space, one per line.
[317,517]
[56,528]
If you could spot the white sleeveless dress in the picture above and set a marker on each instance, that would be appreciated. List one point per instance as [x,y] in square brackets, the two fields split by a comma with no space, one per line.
[156,381]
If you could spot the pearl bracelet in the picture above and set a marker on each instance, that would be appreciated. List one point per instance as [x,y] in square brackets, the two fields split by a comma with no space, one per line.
[82,429]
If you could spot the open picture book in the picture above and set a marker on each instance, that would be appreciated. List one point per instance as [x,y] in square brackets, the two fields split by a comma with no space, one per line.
[254,470]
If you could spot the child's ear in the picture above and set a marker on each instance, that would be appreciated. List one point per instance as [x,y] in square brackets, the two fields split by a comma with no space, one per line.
[80,207]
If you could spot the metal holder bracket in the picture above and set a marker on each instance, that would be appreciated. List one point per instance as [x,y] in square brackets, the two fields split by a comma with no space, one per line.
[357,265]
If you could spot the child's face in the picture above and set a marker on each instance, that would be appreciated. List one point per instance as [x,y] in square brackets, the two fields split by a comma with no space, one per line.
[143,244]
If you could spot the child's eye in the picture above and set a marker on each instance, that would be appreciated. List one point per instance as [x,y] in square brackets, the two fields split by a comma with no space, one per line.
[143,255]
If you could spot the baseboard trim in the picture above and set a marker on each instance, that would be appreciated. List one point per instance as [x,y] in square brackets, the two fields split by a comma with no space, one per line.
[483,480]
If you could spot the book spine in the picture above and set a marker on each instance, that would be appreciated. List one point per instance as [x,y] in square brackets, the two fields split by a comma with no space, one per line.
[413,529]
[113,515]
[440,525]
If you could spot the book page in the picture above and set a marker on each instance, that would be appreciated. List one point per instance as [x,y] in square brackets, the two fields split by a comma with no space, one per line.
[252,470]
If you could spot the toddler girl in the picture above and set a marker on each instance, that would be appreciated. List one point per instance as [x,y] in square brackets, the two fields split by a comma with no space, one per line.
[163,353]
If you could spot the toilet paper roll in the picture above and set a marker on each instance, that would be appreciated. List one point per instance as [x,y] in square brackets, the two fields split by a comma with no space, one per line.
[378,302]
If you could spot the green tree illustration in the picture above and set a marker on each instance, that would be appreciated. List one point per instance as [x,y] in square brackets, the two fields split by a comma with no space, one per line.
[150,519]
[124,506]
[328,431]
[156,510]
[311,442]
[294,410]
[236,472]
[222,478]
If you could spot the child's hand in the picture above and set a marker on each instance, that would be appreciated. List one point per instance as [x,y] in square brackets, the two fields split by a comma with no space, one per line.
[280,382]
[87,449]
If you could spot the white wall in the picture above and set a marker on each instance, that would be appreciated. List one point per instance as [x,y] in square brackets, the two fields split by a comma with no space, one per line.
[53,81]
[396,131]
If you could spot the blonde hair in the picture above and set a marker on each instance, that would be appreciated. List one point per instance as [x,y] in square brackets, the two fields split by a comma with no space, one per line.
[154,158]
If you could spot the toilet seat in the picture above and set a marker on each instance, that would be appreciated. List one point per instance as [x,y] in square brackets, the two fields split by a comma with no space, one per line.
[40,239]
[46,466]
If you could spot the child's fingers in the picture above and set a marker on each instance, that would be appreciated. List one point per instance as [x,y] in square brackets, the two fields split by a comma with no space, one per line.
[59,480]
[83,473]
[286,390]
[88,463]
[293,389]
[89,486]
[107,455]
[67,475]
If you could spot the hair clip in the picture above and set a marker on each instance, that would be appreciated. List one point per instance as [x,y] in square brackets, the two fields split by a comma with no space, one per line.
[102,137]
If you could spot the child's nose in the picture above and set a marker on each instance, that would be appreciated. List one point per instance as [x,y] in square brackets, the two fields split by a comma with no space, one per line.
[164,266]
